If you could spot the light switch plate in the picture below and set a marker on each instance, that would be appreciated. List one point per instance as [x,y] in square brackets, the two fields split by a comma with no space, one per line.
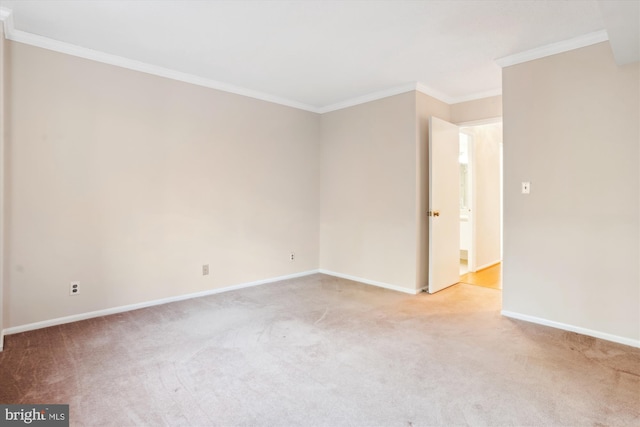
[526,187]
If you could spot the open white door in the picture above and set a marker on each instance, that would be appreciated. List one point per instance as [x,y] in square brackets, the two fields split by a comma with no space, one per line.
[444,205]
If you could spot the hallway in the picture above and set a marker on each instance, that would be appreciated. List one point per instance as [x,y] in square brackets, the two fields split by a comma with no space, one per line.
[490,277]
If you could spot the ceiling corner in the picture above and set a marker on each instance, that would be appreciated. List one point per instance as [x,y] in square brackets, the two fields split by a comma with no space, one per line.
[553,48]
[440,96]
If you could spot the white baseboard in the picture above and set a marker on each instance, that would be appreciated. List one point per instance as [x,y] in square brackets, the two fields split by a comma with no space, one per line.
[371,282]
[130,307]
[584,331]
[491,264]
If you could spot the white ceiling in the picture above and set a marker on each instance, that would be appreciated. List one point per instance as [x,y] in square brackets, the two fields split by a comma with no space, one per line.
[316,54]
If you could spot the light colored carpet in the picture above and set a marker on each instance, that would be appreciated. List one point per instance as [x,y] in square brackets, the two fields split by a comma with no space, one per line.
[323,351]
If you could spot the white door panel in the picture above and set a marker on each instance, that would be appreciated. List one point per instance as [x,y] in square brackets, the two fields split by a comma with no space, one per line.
[444,205]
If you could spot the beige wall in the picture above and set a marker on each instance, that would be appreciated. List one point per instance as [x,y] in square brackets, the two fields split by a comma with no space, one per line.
[368,191]
[129,182]
[374,191]
[476,110]
[572,245]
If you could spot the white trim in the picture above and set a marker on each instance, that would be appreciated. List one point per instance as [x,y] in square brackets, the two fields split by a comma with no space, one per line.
[6,15]
[487,121]
[371,282]
[554,48]
[94,55]
[367,98]
[451,100]
[584,331]
[417,86]
[476,96]
[130,307]
[423,88]
[491,264]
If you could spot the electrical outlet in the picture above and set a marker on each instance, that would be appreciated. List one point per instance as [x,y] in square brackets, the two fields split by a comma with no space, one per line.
[74,288]
[292,256]
[205,269]
[526,187]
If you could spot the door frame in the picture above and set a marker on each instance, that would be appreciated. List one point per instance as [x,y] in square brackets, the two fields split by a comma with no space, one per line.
[471,254]
[472,267]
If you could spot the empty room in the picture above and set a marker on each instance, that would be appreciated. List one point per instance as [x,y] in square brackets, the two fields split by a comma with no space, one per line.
[324,213]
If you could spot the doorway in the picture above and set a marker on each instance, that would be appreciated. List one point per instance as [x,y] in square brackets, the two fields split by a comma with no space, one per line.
[480,163]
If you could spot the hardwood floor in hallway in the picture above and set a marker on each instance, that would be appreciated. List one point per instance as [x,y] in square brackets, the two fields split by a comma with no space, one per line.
[490,277]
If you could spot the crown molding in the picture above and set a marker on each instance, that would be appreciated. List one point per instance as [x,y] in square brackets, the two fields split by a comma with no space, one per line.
[351,102]
[554,48]
[6,15]
[440,96]
[422,88]
[476,96]
[418,87]
[119,61]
